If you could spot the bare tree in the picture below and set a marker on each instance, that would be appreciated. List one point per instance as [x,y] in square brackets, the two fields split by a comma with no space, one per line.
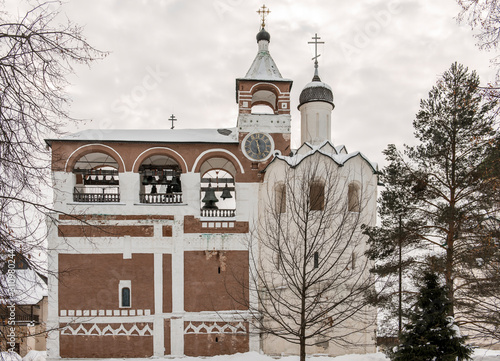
[36,56]
[484,17]
[307,257]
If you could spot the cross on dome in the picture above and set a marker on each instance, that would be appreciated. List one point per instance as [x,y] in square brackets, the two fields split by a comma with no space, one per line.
[263,11]
[316,55]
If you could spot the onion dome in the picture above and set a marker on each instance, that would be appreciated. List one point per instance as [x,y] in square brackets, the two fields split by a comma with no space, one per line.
[263,35]
[316,91]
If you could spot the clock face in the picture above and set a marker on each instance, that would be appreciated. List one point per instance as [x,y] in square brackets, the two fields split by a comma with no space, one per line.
[258,146]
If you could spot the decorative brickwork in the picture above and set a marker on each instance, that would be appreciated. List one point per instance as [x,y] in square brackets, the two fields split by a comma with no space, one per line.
[91,341]
[215,327]
[194,225]
[94,329]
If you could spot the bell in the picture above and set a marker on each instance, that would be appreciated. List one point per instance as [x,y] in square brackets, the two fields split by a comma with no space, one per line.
[226,193]
[210,198]
[176,185]
[145,181]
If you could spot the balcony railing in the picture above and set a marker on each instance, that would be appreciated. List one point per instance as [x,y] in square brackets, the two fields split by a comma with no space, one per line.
[218,213]
[161,198]
[21,318]
[96,194]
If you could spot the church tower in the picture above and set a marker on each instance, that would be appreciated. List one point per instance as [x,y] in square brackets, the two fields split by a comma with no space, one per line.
[316,105]
[263,86]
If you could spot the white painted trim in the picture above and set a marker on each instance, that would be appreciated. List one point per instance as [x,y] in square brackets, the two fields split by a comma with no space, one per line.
[91,145]
[217,150]
[162,148]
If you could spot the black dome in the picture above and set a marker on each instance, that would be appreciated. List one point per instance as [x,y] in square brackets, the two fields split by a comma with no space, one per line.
[316,91]
[263,35]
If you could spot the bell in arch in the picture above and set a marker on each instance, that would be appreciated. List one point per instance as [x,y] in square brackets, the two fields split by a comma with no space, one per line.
[226,193]
[210,199]
[176,185]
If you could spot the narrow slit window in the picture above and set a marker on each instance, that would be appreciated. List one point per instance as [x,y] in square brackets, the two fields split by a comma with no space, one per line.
[280,197]
[316,260]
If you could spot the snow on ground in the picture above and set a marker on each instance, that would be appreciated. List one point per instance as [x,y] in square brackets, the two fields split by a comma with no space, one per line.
[479,355]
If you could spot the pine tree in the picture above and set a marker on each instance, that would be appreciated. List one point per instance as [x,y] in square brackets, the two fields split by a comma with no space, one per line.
[440,198]
[431,334]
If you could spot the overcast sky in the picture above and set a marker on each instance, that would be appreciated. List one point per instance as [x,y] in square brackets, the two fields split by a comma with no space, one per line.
[182,57]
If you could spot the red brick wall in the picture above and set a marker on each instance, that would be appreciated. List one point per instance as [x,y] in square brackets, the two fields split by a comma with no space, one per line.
[215,281]
[166,337]
[105,231]
[167,283]
[90,281]
[214,344]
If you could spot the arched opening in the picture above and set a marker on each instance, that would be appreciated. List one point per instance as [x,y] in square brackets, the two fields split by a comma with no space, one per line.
[97,179]
[218,191]
[160,180]
[353,197]
[265,97]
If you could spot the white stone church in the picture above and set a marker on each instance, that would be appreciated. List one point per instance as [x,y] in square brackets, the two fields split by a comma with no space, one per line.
[159,234]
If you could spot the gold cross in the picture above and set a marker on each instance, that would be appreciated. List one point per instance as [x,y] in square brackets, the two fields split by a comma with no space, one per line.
[263,11]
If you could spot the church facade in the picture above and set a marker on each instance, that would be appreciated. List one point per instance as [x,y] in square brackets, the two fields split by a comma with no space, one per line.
[149,247]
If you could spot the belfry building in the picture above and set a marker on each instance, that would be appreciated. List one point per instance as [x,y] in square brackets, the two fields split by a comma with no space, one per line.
[151,245]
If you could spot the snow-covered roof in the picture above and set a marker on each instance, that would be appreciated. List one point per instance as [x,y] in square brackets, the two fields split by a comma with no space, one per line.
[326,146]
[28,287]
[318,84]
[338,154]
[263,66]
[229,135]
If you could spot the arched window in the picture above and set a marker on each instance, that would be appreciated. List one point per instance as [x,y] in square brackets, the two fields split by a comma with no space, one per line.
[125,297]
[353,197]
[125,293]
[218,188]
[280,198]
[317,196]
[160,180]
[97,179]
[218,194]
